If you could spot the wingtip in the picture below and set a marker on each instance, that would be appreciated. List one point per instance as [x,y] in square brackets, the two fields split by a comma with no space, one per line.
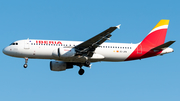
[118,26]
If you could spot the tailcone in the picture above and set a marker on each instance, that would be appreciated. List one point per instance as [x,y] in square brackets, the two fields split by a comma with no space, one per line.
[167,50]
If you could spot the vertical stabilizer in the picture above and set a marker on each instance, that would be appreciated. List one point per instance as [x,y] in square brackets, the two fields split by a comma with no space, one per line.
[157,35]
[155,38]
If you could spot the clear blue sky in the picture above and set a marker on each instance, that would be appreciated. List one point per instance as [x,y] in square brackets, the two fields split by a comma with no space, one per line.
[152,79]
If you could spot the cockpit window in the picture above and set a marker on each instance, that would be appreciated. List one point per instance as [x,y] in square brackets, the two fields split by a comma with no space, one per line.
[14,44]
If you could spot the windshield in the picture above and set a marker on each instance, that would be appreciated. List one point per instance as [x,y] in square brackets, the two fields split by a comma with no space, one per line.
[14,44]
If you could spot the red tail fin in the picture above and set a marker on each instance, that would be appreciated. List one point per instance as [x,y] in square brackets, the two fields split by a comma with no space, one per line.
[157,35]
[155,38]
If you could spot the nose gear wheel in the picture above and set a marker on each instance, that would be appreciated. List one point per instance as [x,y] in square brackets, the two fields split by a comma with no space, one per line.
[26,61]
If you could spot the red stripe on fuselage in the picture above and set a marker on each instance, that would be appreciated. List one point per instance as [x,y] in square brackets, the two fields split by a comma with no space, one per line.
[151,41]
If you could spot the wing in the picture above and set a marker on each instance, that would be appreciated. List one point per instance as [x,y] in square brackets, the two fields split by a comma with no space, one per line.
[88,47]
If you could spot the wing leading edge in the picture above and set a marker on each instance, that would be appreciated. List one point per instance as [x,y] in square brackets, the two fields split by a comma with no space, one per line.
[88,47]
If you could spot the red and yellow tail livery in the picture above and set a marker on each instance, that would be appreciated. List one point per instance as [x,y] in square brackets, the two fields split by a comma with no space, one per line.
[155,38]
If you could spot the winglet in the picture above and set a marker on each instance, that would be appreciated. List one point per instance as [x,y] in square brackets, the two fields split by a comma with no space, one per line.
[118,26]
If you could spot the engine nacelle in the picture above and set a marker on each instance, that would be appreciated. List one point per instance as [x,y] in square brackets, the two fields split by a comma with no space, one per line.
[64,52]
[60,66]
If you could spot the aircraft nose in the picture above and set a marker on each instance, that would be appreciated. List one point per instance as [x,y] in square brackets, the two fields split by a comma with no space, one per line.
[5,50]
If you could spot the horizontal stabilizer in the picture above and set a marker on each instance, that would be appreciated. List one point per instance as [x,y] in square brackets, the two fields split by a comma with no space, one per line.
[163,46]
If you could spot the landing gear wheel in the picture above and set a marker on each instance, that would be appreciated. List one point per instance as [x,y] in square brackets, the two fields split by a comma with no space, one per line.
[87,63]
[26,61]
[25,65]
[81,72]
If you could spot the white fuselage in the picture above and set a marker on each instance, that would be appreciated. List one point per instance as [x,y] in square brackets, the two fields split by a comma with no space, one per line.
[44,49]
[48,49]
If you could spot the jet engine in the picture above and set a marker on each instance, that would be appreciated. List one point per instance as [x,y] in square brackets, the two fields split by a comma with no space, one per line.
[64,52]
[60,66]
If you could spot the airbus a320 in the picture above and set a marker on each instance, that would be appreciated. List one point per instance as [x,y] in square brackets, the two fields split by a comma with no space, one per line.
[66,54]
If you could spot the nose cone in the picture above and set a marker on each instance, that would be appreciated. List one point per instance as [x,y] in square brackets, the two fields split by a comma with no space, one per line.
[5,51]
[10,51]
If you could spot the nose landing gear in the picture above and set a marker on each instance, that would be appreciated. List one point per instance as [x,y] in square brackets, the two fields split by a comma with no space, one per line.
[26,60]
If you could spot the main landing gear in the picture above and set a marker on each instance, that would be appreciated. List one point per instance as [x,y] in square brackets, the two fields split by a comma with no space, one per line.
[87,64]
[81,71]
[26,60]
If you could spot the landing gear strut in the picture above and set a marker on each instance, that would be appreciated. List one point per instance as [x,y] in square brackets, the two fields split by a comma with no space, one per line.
[26,60]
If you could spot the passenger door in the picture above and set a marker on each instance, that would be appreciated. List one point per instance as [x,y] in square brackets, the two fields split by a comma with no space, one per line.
[26,44]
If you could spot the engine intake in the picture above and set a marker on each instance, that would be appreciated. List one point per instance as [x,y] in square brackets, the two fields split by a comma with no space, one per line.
[60,66]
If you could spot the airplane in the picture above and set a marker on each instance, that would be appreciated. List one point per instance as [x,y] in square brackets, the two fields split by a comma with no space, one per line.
[66,54]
